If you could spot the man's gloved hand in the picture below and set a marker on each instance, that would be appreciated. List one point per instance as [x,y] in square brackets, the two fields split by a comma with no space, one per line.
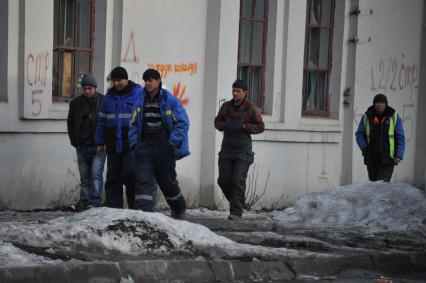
[364,151]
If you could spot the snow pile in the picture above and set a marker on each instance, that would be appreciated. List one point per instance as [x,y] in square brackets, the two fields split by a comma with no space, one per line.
[116,234]
[373,206]
[118,230]
[13,256]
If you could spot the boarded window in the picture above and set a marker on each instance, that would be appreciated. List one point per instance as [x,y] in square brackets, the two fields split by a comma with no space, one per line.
[317,57]
[74,22]
[251,47]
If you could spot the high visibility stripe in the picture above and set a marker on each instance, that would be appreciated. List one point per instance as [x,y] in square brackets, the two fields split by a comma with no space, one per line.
[170,113]
[392,124]
[391,132]
[110,116]
[145,197]
[124,115]
[174,198]
[134,115]
[101,114]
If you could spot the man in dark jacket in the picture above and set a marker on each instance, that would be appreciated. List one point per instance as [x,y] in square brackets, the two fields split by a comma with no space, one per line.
[159,135]
[238,119]
[112,134]
[81,122]
[380,136]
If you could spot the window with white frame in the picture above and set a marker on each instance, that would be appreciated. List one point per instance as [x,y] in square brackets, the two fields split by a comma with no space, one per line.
[252,47]
[74,22]
[318,57]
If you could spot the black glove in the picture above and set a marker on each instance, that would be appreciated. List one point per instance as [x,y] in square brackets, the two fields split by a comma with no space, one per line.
[364,152]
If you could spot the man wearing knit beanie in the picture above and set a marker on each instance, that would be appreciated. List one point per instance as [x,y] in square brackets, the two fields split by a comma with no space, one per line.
[380,136]
[81,123]
[159,135]
[111,135]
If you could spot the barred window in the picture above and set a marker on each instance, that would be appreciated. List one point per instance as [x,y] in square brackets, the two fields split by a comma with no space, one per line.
[251,47]
[74,22]
[318,57]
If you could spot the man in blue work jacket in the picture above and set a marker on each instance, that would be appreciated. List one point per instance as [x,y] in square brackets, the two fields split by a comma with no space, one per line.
[112,132]
[159,135]
[380,136]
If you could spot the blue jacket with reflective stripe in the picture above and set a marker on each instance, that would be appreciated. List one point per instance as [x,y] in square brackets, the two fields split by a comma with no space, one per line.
[114,118]
[173,116]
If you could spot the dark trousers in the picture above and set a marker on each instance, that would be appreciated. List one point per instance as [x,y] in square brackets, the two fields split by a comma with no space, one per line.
[155,164]
[376,169]
[233,168]
[120,171]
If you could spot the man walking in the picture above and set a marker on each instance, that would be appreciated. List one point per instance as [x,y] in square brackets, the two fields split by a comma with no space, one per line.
[238,119]
[380,136]
[112,133]
[159,135]
[81,124]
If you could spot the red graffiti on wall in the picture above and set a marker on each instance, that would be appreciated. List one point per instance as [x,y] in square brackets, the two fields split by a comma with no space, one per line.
[36,68]
[35,100]
[179,93]
[131,44]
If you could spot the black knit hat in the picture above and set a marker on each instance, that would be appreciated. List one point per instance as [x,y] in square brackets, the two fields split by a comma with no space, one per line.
[380,98]
[118,73]
[240,84]
[151,74]
[88,80]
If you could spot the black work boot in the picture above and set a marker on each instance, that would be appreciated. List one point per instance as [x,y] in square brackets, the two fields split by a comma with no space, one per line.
[179,215]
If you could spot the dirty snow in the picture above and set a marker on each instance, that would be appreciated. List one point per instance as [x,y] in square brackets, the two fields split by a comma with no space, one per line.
[13,256]
[111,232]
[370,206]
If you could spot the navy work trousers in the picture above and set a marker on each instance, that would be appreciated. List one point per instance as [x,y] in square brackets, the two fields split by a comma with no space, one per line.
[120,171]
[156,164]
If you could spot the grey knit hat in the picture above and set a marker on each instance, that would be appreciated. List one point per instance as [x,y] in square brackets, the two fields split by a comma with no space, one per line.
[89,80]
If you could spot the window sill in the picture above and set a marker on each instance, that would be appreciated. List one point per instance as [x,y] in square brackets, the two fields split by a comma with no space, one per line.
[306,133]
[58,111]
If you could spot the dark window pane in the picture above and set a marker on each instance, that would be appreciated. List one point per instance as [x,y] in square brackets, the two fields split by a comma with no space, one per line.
[305,61]
[256,86]
[259,10]
[245,38]
[321,92]
[326,12]
[244,74]
[56,6]
[82,67]
[57,73]
[311,85]
[313,49]
[314,12]
[247,8]
[257,43]
[324,46]
[85,12]
[308,9]
[69,23]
